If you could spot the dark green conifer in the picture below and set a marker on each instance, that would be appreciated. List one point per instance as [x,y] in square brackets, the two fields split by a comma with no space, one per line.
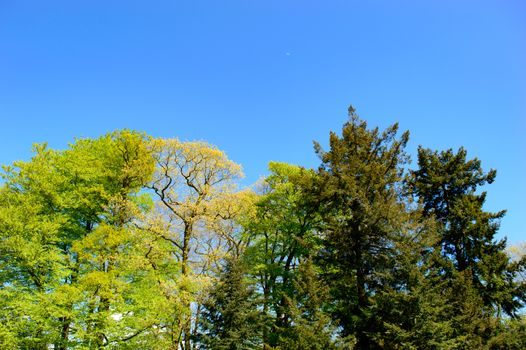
[363,215]
[230,318]
[447,183]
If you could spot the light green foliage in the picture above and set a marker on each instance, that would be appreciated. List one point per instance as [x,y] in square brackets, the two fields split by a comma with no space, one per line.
[128,242]
[69,246]
[282,239]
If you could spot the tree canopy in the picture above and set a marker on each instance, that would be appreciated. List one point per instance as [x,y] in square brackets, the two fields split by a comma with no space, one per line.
[131,242]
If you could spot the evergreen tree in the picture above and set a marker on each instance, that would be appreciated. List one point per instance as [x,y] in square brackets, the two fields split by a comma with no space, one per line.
[230,319]
[362,215]
[311,326]
[447,183]
[511,335]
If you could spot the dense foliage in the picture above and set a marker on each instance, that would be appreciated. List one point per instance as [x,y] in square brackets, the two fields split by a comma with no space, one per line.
[130,242]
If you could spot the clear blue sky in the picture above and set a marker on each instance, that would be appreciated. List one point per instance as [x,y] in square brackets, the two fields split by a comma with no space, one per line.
[262,79]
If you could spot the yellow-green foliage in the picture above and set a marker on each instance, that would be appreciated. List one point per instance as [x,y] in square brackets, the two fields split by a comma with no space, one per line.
[130,242]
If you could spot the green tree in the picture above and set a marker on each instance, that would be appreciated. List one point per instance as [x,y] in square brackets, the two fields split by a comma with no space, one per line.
[282,237]
[362,216]
[446,183]
[30,259]
[230,317]
[128,242]
[511,335]
[311,326]
[68,238]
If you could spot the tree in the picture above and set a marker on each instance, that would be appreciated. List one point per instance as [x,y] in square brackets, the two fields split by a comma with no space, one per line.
[362,215]
[447,183]
[30,260]
[66,226]
[128,242]
[103,202]
[230,317]
[310,324]
[282,237]
[195,186]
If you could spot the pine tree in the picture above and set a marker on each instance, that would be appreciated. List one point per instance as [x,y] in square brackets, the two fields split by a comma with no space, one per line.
[447,183]
[311,326]
[359,198]
[230,319]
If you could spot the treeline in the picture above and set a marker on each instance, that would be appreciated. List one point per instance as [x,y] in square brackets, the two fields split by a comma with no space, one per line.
[131,242]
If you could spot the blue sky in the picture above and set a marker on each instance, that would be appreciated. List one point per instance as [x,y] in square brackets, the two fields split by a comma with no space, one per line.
[262,79]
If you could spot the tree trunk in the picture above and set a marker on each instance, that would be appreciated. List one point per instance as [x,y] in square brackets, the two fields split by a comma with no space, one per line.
[187,324]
